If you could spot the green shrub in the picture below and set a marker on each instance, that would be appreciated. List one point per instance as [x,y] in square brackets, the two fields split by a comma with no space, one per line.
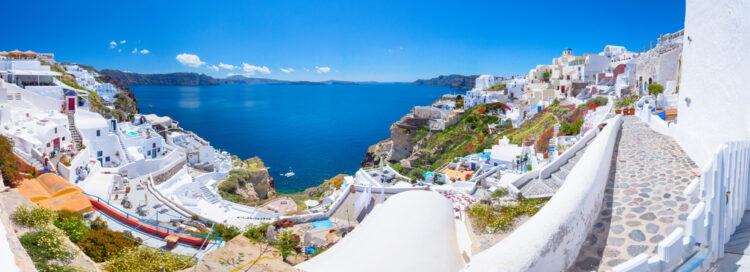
[98,224]
[146,259]
[226,232]
[500,192]
[600,100]
[31,216]
[103,245]
[257,233]
[44,245]
[73,227]
[287,243]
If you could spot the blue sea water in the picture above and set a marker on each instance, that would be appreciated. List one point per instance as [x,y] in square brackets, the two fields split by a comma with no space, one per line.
[316,131]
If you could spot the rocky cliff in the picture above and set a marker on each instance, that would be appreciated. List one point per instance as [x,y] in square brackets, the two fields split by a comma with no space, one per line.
[247,184]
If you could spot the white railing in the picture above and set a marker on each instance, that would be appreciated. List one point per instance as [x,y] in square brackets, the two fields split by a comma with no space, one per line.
[723,187]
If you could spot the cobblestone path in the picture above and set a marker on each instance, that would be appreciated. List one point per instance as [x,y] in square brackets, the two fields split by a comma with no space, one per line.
[643,200]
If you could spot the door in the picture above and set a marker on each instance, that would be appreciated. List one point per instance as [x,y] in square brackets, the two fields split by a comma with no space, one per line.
[72,104]
[153,153]
[56,143]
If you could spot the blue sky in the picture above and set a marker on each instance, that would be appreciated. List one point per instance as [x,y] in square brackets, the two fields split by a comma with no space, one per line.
[321,40]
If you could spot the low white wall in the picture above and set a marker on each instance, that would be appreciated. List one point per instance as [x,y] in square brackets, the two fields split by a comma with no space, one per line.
[79,160]
[151,166]
[551,239]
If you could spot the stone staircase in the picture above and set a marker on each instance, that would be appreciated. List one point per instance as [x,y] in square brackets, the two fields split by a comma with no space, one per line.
[28,158]
[538,188]
[77,140]
[208,195]
[122,145]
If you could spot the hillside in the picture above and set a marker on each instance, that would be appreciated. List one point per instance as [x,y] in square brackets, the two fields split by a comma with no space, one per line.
[195,79]
[456,82]
[178,79]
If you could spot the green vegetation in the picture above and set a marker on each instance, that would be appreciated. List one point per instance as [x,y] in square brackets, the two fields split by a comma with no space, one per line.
[601,100]
[546,75]
[257,233]
[104,245]
[500,192]
[484,217]
[146,259]
[287,242]
[497,87]
[45,245]
[540,123]
[8,167]
[73,227]
[469,135]
[571,129]
[33,217]
[226,232]
[655,89]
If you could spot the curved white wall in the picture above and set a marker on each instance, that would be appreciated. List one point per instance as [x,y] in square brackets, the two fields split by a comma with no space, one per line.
[551,239]
[715,69]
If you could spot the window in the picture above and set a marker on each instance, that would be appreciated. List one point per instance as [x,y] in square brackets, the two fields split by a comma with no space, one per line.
[153,145]
[106,159]
[158,150]
[63,138]
[55,130]
[99,153]
[149,153]
[98,133]
[47,144]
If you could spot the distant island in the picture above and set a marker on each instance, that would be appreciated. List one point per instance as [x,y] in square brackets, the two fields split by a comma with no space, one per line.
[195,79]
[456,82]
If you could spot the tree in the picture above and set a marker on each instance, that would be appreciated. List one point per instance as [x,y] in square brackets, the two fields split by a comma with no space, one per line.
[655,89]
[546,76]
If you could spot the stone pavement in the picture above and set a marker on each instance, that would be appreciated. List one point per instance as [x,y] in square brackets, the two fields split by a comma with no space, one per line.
[643,200]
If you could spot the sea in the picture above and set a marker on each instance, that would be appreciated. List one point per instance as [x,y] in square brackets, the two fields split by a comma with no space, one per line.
[314,131]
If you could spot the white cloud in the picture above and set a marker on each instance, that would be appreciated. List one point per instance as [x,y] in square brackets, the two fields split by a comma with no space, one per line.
[227,66]
[145,51]
[322,69]
[119,50]
[112,44]
[251,69]
[189,60]
[135,50]
[214,67]
[287,70]
[123,41]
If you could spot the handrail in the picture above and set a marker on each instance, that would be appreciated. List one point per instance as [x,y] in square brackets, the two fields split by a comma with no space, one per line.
[128,215]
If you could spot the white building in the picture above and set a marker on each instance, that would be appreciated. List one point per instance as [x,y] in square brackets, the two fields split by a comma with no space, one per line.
[197,150]
[480,95]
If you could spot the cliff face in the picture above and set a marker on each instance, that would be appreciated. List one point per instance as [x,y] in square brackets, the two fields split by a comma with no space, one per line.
[248,184]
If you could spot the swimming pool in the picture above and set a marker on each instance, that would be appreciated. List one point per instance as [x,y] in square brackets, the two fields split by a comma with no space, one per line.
[132,133]
[322,224]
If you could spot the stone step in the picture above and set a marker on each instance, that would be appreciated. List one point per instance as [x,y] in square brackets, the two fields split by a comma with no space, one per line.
[552,184]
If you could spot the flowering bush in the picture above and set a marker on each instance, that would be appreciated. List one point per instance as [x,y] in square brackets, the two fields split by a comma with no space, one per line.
[44,245]
[103,245]
[31,216]
[146,259]
[8,167]
[286,242]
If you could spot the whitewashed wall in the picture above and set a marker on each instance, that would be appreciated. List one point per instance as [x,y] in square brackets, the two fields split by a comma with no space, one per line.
[551,239]
[714,76]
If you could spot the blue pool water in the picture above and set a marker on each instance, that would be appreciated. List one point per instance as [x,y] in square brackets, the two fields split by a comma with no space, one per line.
[322,224]
[315,131]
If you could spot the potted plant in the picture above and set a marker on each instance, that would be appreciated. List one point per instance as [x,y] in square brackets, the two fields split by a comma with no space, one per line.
[632,110]
[127,189]
[618,108]
[117,196]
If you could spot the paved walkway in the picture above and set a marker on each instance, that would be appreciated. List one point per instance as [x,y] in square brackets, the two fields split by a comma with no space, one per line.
[643,200]
[737,250]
